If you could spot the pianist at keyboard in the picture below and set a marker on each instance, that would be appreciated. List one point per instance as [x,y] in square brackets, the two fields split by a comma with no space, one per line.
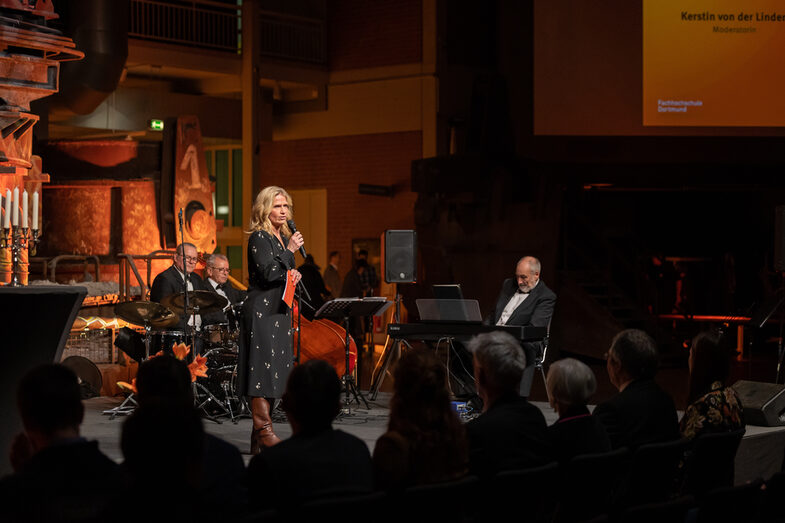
[525,300]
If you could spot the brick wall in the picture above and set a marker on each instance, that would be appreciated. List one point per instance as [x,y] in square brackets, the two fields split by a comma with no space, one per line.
[373,34]
[339,164]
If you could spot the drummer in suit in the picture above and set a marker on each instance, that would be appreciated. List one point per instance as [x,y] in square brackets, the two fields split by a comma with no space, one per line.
[171,281]
[217,271]
[525,300]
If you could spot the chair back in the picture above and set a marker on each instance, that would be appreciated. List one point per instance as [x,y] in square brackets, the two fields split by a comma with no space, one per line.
[652,474]
[672,511]
[587,484]
[531,490]
[452,501]
[709,463]
[772,506]
[740,504]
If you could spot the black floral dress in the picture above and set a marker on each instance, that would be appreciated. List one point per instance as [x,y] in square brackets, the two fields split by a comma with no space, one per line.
[717,411]
[266,357]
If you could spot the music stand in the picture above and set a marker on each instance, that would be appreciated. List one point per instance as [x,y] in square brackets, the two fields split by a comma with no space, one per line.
[347,308]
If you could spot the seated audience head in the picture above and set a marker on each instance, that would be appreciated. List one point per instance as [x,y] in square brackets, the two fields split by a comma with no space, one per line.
[709,362]
[570,384]
[632,356]
[499,362]
[313,396]
[50,404]
[164,379]
[420,397]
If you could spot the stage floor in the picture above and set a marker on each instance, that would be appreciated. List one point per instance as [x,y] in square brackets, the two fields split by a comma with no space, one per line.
[760,454]
[366,424]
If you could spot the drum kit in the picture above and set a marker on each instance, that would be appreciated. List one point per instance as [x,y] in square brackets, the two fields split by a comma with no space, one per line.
[216,395]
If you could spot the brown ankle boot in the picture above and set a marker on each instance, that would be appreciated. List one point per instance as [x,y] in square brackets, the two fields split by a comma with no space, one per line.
[262,434]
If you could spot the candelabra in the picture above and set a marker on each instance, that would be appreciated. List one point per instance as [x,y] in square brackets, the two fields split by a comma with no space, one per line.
[17,239]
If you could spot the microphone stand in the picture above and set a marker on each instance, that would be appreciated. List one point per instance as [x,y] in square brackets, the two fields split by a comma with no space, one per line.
[302,290]
[185,285]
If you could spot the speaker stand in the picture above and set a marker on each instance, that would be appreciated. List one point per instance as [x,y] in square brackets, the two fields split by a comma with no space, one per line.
[390,353]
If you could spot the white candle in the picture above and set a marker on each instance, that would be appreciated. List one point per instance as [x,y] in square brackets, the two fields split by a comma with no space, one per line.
[24,209]
[15,208]
[7,217]
[35,211]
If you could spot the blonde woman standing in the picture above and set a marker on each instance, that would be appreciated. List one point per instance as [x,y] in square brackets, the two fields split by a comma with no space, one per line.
[266,356]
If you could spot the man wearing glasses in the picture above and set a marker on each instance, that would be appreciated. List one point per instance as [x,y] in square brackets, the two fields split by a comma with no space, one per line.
[171,282]
[217,271]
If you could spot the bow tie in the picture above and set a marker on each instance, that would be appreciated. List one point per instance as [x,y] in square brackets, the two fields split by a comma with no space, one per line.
[221,286]
[522,292]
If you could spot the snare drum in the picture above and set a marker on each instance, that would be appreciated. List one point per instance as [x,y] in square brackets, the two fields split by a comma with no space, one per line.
[218,334]
[164,340]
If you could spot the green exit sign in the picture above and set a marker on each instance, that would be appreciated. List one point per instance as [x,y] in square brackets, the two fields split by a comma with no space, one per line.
[155,125]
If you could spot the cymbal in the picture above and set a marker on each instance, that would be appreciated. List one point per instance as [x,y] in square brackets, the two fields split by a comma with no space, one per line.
[141,312]
[206,301]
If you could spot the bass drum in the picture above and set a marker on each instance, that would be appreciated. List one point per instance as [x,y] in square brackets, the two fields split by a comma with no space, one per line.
[221,382]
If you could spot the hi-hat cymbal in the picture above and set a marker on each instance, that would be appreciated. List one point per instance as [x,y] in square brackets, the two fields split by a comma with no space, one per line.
[141,312]
[206,301]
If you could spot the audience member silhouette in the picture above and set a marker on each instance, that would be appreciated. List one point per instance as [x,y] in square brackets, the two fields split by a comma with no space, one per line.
[59,476]
[425,441]
[166,448]
[713,407]
[570,384]
[642,412]
[316,460]
[510,433]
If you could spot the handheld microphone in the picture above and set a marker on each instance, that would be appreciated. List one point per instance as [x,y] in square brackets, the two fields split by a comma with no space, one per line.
[293,228]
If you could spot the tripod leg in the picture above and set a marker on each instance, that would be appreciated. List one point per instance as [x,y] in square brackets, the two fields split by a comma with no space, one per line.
[357,394]
[387,357]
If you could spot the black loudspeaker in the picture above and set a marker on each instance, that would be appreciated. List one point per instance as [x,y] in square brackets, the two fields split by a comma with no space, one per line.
[400,256]
[779,238]
[763,403]
[37,320]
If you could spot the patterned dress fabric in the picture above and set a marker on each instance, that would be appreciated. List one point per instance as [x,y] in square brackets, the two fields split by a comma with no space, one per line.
[717,411]
[266,345]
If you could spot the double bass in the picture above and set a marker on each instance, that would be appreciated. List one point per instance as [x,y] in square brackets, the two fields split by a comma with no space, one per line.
[325,340]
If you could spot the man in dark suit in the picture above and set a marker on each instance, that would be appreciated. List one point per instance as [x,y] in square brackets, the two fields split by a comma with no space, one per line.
[642,412]
[332,279]
[217,272]
[313,282]
[317,459]
[171,280]
[525,300]
[511,433]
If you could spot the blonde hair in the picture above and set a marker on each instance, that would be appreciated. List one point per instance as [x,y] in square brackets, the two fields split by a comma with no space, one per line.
[263,206]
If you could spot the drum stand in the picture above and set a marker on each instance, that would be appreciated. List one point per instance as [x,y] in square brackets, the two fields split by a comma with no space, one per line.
[200,390]
[124,408]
